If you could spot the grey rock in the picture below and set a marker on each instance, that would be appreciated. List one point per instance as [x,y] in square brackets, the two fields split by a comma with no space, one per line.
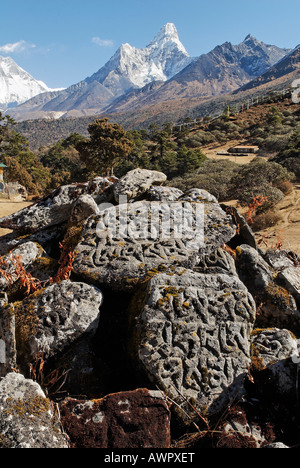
[27,418]
[252,269]
[164,194]
[290,277]
[198,195]
[8,352]
[192,334]
[84,207]
[123,243]
[217,262]
[50,320]
[244,233]
[277,352]
[279,259]
[276,445]
[17,192]
[27,252]
[55,208]
[47,238]
[50,211]
[136,183]
[100,189]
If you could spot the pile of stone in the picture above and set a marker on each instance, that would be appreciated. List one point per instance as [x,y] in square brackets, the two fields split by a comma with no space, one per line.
[173,322]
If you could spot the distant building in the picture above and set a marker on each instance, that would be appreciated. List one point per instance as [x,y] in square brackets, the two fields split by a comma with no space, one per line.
[244,149]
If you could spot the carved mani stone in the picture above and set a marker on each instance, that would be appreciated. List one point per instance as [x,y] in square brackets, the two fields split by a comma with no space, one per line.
[121,244]
[52,319]
[192,336]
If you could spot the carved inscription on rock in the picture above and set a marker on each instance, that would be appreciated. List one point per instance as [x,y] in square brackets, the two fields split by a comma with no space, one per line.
[194,336]
[121,244]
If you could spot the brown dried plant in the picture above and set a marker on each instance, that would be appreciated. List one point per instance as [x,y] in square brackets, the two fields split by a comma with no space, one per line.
[28,282]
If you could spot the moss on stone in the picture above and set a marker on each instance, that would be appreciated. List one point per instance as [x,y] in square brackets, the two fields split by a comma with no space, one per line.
[27,408]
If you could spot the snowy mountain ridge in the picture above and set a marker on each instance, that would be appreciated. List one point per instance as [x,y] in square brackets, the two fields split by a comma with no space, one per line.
[17,85]
[162,71]
[131,67]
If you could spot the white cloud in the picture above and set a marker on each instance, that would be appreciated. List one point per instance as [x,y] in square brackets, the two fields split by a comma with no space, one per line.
[16,47]
[102,42]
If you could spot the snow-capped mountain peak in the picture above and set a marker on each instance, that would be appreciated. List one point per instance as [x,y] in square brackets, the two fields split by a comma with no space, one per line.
[17,85]
[168,33]
[131,67]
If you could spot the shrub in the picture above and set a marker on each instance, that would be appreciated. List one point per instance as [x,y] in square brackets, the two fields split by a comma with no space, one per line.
[214,176]
[272,194]
[265,220]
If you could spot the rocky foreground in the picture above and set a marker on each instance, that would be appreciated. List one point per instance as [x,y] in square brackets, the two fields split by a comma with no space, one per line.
[148,335]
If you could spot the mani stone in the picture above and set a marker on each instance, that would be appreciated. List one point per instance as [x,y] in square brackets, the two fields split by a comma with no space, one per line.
[50,320]
[164,194]
[136,183]
[50,211]
[121,244]
[275,353]
[133,419]
[191,333]
[27,418]
[199,195]
[55,208]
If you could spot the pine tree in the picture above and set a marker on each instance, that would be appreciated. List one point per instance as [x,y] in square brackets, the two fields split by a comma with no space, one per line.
[108,144]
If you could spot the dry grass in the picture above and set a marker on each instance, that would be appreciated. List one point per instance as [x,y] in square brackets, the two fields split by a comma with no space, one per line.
[287,228]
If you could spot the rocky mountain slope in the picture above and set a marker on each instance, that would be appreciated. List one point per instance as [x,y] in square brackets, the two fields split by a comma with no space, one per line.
[282,73]
[221,71]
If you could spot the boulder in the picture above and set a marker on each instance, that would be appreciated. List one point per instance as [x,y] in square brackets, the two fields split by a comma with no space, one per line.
[278,308]
[55,208]
[290,277]
[50,320]
[8,352]
[219,261]
[191,335]
[121,244]
[275,354]
[244,234]
[135,419]
[27,253]
[252,269]
[164,194]
[84,207]
[198,195]
[100,189]
[16,191]
[280,259]
[50,211]
[136,183]
[47,238]
[27,417]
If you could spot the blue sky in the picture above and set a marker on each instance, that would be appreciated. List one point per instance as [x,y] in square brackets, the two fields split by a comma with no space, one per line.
[62,42]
